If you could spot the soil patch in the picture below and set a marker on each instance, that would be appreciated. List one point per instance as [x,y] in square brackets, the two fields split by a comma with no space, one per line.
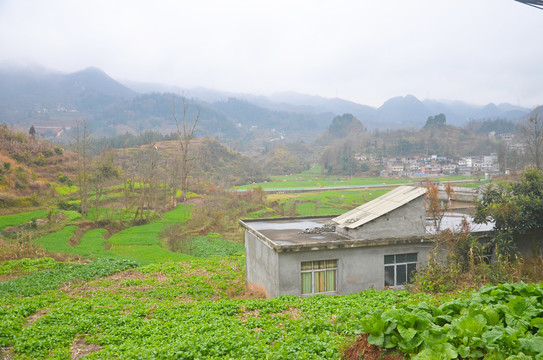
[34,317]
[5,353]
[362,349]
[81,348]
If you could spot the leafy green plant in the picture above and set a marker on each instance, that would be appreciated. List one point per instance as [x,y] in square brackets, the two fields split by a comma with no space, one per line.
[212,245]
[497,322]
[52,279]
[27,265]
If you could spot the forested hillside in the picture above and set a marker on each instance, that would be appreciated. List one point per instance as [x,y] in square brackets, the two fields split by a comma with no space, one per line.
[51,101]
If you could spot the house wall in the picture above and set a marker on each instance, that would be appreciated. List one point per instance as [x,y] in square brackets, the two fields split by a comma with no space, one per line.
[358,268]
[530,244]
[407,220]
[261,265]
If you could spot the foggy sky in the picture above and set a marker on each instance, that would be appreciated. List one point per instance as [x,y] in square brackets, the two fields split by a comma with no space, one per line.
[365,51]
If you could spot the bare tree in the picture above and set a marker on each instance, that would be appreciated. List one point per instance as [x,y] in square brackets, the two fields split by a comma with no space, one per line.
[173,166]
[104,171]
[532,134]
[82,142]
[128,165]
[185,134]
[435,208]
[148,170]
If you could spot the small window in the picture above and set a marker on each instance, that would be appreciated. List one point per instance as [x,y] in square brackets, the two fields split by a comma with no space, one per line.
[319,277]
[398,268]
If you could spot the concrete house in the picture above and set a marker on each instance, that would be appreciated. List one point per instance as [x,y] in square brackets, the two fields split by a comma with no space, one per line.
[375,245]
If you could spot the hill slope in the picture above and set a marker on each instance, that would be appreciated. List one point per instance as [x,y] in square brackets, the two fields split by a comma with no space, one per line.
[52,100]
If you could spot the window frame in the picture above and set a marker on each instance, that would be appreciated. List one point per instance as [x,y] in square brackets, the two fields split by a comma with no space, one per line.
[316,270]
[399,263]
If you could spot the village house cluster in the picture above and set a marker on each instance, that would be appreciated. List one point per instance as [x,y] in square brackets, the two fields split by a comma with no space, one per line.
[419,166]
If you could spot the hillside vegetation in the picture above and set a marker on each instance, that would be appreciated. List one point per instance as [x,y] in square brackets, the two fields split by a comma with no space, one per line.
[28,168]
[142,274]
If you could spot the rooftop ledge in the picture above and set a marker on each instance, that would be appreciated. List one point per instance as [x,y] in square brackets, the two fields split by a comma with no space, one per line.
[286,235]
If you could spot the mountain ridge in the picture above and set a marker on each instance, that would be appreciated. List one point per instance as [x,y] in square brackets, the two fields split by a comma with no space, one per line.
[36,96]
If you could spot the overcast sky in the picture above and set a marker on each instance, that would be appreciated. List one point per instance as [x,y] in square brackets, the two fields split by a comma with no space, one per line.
[365,51]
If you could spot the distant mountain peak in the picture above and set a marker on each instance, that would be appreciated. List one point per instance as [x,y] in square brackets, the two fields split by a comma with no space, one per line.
[95,79]
[92,70]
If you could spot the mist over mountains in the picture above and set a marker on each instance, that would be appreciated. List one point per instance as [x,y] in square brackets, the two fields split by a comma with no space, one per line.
[46,99]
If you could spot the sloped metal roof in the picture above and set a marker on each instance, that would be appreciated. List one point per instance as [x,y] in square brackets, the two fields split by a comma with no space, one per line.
[379,207]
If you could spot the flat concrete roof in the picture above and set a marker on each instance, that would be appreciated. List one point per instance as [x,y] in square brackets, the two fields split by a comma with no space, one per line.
[289,231]
[287,234]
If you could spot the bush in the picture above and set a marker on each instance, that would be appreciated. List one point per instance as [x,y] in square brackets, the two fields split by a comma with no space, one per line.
[64,179]
[28,201]
[66,205]
[21,178]
[7,200]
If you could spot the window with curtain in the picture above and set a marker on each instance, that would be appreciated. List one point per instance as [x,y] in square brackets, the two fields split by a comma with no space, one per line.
[398,268]
[319,277]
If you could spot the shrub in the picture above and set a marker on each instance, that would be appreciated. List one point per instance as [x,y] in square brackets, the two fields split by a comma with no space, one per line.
[7,200]
[64,179]
[21,178]
[28,201]
[66,205]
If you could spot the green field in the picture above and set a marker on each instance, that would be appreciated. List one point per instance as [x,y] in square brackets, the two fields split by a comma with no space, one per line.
[314,179]
[27,217]
[196,309]
[21,218]
[137,243]
[59,241]
[331,202]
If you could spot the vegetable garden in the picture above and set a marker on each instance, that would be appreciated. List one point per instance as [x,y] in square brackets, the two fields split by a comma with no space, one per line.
[199,308]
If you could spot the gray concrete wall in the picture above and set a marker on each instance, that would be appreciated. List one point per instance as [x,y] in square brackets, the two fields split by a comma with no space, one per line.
[530,244]
[358,268]
[407,220]
[261,265]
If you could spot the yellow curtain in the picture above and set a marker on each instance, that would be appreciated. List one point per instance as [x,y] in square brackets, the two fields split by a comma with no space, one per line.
[331,280]
[306,283]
